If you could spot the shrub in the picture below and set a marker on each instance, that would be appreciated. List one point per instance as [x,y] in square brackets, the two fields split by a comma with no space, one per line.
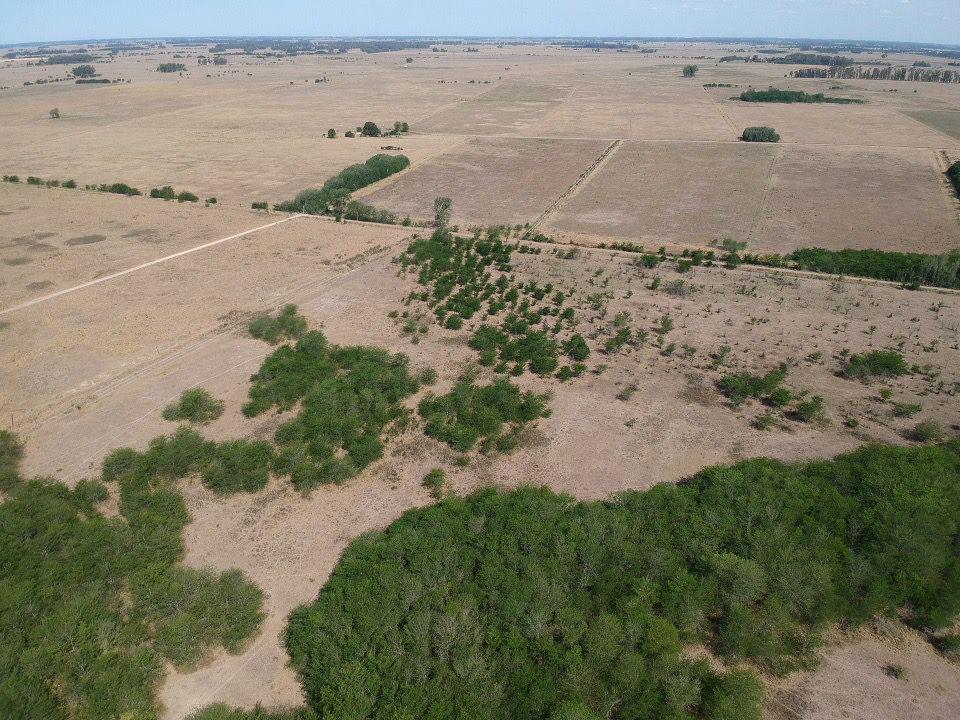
[259,205]
[69,184]
[11,178]
[288,324]
[171,67]
[195,405]
[370,129]
[238,466]
[119,189]
[350,134]
[530,604]
[690,71]
[809,410]
[331,133]
[164,193]
[55,114]
[435,482]
[470,413]
[760,134]
[927,431]
[576,348]
[186,197]
[877,363]
[742,386]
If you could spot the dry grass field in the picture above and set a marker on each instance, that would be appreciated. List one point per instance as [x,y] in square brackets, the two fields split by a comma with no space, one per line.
[512,134]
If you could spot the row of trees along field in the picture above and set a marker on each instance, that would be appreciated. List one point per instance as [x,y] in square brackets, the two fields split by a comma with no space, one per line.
[859,72]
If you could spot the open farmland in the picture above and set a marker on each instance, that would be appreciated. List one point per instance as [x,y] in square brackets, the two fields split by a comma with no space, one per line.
[112,306]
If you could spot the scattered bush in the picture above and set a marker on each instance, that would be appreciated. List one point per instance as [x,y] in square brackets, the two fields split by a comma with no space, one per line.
[809,410]
[259,206]
[760,134]
[118,189]
[530,604]
[196,405]
[877,363]
[164,193]
[927,431]
[288,324]
[331,133]
[185,196]
[493,413]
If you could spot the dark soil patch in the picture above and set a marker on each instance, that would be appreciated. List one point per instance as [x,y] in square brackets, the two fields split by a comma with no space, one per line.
[86,240]
[40,285]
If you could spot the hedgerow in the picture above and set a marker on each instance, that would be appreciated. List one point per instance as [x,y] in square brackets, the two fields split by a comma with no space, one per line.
[93,606]
[530,604]
[775,95]
[953,174]
[760,134]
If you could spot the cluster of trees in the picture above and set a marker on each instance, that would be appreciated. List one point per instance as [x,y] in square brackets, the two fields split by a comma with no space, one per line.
[347,397]
[68,59]
[910,269]
[690,71]
[493,414]
[40,182]
[95,606]
[168,193]
[170,67]
[530,604]
[464,277]
[953,174]
[760,134]
[334,197]
[84,71]
[775,95]
[859,72]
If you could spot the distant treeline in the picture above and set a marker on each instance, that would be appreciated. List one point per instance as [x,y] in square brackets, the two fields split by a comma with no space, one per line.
[858,72]
[775,95]
[297,47]
[68,59]
[812,59]
[911,269]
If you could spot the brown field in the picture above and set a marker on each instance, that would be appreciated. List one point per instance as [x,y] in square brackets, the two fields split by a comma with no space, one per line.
[945,121]
[90,370]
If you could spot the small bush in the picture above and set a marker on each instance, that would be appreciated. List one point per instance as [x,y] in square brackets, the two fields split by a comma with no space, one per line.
[742,386]
[187,197]
[259,205]
[878,363]
[238,466]
[288,324]
[927,431]
[195,405]
[370,129]
[576,348]
[331,133]
[690,71]
[435,481]
[809,410]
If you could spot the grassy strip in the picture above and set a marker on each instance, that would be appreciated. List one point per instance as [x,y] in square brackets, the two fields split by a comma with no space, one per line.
[530,604]
[775,95]
[92,607]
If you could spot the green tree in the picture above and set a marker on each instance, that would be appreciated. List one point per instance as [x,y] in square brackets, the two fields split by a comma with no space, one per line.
[331,133]
[441,211]
[690,71]
[84,71]
[370,129]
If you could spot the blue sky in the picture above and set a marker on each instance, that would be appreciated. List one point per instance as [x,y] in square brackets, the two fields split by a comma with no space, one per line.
[934,21]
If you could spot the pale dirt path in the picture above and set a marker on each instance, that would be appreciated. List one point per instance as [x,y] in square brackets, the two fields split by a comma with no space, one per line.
[141,266]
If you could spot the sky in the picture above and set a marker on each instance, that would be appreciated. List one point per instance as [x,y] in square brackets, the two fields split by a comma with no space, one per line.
[927,21]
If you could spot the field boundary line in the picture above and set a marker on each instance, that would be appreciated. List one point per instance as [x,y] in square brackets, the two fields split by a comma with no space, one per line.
[942,162]
[578,184]
[767,186]
[720,111]
[142,266]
